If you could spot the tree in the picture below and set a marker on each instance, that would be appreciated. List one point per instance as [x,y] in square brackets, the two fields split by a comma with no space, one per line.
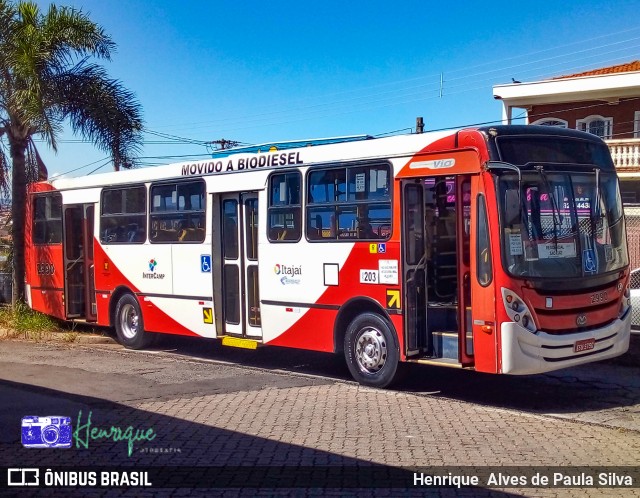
[47,79]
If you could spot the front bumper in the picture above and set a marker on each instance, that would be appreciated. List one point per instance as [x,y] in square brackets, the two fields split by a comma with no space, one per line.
[526,353]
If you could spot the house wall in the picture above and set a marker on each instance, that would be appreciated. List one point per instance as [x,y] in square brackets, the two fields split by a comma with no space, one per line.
[622,113]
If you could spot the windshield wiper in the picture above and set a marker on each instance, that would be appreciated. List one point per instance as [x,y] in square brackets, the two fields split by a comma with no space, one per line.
[554,207]
[596,214]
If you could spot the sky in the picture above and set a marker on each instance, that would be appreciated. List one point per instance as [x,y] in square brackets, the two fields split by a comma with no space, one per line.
[257,72]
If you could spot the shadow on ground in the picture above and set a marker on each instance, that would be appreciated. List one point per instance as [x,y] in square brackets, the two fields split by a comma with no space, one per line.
[596,386]
[190,453]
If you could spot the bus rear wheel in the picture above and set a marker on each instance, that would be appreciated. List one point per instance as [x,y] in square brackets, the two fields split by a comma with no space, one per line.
[129,323]
[371,351]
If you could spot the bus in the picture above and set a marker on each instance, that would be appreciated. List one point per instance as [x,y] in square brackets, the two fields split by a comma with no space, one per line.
[498,249]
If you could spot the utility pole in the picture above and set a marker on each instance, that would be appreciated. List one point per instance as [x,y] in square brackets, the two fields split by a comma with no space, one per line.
[223,144]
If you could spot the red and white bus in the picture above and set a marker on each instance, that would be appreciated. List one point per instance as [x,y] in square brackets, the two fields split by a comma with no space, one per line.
[501,249]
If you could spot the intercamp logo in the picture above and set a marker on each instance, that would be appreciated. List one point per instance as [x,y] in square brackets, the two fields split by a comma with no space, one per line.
[152,273]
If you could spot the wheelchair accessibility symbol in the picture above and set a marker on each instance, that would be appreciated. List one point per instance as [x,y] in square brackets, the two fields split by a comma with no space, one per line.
[589,260]
[205,263]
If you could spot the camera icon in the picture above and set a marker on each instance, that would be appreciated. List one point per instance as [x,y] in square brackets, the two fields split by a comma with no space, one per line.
[46,432]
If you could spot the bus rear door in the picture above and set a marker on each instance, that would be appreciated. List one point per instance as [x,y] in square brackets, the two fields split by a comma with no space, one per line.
[79,281]
[240,291]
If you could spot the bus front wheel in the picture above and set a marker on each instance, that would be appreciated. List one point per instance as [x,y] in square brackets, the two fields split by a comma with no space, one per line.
[371,351]
[129,323]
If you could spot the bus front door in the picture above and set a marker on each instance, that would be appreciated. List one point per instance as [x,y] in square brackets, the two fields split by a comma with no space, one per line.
[436,234]
[79,282]
[241,294]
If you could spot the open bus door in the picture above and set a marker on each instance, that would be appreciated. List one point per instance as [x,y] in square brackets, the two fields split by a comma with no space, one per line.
[240,291]
[436,269]
[79,270]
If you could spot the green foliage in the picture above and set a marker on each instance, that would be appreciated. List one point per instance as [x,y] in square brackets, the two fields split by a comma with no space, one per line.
[21,321]
[47,79]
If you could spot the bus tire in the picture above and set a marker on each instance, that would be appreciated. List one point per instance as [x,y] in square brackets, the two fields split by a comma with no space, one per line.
[371,350]
[129,323]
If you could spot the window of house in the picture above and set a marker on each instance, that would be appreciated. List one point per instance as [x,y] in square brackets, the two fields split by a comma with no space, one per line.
[123,215]
[630,191]
[47,219]
[636,124]
[596,125]
[349,203]
[177,212]
[285,208]
[558,123]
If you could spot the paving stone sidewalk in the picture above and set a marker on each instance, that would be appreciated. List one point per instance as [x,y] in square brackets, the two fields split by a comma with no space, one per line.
[275,419]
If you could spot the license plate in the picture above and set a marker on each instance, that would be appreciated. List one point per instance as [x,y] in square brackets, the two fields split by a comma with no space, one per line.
[584,345]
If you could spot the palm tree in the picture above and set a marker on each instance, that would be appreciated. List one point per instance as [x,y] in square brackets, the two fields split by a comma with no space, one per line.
[47,79]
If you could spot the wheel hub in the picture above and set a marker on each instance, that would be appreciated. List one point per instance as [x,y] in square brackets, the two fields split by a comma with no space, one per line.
[129,321]
[371,350]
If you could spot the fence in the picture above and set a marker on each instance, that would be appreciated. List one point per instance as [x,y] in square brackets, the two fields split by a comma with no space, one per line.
[632,218]
[6,285]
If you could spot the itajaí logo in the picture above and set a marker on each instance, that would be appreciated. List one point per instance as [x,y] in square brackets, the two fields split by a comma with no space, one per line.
[152,274]
[287,272]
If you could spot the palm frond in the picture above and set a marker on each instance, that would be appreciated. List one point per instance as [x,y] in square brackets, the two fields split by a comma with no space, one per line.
[34,166]
[4,172]
[102,110]
[68,32]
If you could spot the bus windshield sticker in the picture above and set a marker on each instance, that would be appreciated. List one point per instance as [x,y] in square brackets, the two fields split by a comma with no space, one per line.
[608,252]
[515,244]
[589,260]
[360,182]
[560,250]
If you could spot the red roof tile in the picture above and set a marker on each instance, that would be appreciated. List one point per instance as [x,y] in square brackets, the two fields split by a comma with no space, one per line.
[620,68]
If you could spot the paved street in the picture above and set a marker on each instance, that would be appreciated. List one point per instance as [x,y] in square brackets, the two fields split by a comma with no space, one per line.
[214,406]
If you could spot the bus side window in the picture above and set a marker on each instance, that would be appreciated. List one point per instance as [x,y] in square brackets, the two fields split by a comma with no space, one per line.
[285,209]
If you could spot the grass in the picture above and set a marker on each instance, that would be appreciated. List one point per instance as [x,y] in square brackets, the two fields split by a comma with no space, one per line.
[22,322]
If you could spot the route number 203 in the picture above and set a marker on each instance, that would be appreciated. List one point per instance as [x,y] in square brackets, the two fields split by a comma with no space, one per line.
[368,276]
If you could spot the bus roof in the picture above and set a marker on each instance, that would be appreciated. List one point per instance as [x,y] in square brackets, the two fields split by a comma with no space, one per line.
[300,153]
[303,153]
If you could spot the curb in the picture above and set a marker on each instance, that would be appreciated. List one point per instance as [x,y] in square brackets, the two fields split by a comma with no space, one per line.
[94,339]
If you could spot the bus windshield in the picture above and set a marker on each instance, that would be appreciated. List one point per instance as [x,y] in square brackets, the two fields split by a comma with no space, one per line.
[560,224]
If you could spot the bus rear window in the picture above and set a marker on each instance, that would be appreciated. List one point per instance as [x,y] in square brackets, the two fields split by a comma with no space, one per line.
[47,219]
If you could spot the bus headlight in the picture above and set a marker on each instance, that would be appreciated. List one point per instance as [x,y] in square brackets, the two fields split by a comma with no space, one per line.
[517,310]
[625,302]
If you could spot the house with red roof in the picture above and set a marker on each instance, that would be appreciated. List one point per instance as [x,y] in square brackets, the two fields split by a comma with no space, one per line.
[605,102]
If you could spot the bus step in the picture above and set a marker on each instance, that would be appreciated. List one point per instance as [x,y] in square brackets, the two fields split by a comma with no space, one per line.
[445,362]
[239,342]
[445,345]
